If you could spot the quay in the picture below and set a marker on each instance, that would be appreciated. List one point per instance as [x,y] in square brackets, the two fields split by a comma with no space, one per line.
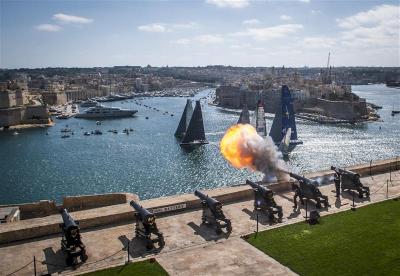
[191,248]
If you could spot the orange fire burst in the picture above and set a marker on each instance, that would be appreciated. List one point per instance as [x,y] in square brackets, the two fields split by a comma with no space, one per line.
[234,146]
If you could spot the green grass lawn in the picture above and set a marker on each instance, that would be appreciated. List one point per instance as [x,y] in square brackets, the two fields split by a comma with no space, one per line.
[144,268]
[364,242]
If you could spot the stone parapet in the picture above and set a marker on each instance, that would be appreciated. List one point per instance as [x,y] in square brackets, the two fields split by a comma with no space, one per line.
[165,205]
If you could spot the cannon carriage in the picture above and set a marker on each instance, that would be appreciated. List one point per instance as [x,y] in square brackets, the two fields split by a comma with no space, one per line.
[213,214]
[307,189]
[264,201]
[71,241]
[351,181]
[146,227]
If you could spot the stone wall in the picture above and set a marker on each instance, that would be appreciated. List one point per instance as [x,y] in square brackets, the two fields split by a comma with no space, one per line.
[7,99]
[54,98]
[34,113]
[347,110]
[39,209]
[74,203]
[11,116]
[163,206]
[45,208]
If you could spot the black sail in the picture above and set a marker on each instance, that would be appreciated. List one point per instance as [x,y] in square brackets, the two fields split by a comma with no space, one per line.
[284,117]
[195,131]
[244,116]
[185,119]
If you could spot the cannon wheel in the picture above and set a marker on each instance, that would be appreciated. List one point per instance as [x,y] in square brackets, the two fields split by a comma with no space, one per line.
[69,261]
[271,217]
[161,242]
[318,205]
[360,194]
[229,227]
[84,257]
[149,245]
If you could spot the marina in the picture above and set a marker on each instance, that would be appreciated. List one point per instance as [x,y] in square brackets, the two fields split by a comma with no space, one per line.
[150,161]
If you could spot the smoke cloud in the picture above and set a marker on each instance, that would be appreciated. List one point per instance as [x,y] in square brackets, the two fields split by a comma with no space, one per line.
[244,148]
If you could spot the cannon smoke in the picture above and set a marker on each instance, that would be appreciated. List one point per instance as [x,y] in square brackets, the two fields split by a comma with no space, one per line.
[244,148]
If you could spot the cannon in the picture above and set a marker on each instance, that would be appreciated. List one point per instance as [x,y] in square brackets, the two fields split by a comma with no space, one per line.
[264,201]
[71,242]
[213,214]
[146,227]
[351,181]
[307,189]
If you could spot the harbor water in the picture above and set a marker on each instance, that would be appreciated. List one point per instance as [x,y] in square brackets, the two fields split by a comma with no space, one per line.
[38,164]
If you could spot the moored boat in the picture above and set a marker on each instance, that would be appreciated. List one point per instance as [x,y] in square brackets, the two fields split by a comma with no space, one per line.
[101,111]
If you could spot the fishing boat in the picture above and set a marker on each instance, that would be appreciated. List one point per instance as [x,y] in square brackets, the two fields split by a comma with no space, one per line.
[185,119]
[195,135]
[284,123]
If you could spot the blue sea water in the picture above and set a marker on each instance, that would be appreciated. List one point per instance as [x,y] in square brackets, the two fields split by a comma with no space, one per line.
[150,162]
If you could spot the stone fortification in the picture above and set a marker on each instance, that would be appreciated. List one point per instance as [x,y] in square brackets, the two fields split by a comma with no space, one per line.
[122,213]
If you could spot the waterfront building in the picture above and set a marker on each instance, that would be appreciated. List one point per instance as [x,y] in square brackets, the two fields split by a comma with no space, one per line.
[54,94]
[16,109]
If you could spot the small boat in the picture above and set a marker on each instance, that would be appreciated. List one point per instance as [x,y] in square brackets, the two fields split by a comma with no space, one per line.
[185,119]
[394,112]
[283,130]
[66,130]
[97,132]
[195,135]
[89,103]
[87,133]
[63,116]
[65,136]
[115,131]
[15,133]
[98,123]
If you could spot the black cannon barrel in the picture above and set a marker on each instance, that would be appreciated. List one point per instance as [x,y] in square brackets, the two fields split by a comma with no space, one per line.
[143,212]
[342,171]
[210,201]
[68,221]
[301,178]
[258,186]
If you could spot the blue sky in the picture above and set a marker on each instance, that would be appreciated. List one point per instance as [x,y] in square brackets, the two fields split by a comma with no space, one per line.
[190,33]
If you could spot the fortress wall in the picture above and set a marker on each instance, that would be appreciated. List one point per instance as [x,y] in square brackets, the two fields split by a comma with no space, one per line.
[32,210]
[10,117]
[74,203]
[163,206]
[338,109]
[35,112]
